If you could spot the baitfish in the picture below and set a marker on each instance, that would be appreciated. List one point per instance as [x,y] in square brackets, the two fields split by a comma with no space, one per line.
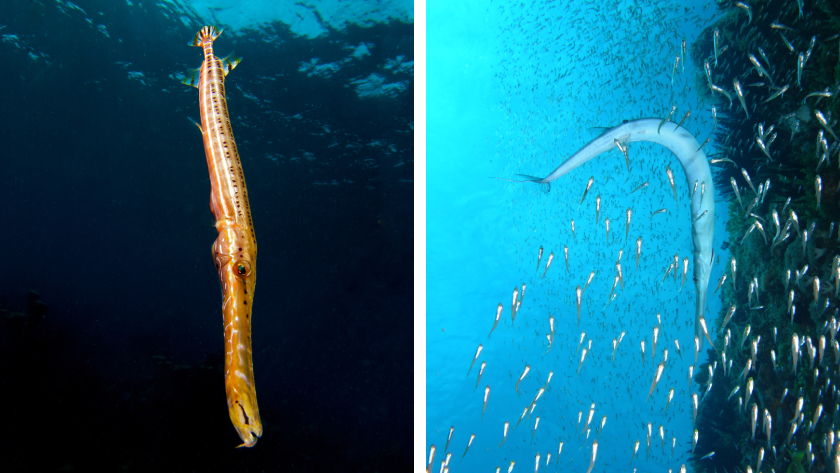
[696,167]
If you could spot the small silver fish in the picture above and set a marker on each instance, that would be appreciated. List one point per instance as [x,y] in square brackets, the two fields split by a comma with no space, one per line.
[818,189]
[591,276]
[726,319]
[684,118]
[670,267]
[655,339]
[513,303]
[594,454]
[670,114]
[746,8]
[472,437]
[597,207]
[737,193]
[707,140]
[635,450]
[708,69]
[694,439]
[480,372]
[645,184]
[504,437]
[763,148]
[787,43]
[630,214]
[638,251]
[498,314]
[800,64]
[607,224]
[826,93]
[671,181]
[524,373]
[582,357]
[759,68]
[720,282]
[706,331]
[586,191]
[659,370]
[566,253]
[723,92]
[733,266]
[824,123]
[777,93]
[548,264]
[778,26]
[749,181]
[674,70]
[740,93]
[477,353]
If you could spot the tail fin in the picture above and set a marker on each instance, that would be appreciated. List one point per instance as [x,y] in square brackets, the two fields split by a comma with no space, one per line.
[204,33]
[545,187]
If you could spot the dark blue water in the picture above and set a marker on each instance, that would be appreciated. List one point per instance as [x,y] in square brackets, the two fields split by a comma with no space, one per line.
[104,192]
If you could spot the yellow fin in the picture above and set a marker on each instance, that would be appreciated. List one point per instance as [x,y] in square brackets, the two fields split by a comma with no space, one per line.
[192,78]
[206,32]
[229,62]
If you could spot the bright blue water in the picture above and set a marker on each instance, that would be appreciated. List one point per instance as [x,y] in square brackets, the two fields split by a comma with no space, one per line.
[512,88]
[310,19]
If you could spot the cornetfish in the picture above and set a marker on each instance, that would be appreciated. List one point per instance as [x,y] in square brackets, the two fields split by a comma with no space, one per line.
[693,160]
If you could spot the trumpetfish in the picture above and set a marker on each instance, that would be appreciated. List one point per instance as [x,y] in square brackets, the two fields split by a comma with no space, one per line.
[235,249]
[693,160]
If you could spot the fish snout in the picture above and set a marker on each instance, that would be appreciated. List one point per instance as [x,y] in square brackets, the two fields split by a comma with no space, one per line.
[246,421]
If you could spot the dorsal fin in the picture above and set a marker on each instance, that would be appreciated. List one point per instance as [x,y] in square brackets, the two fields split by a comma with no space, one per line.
[229,62]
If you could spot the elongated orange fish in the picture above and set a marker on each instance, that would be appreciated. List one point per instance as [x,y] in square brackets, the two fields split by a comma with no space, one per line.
[235,249]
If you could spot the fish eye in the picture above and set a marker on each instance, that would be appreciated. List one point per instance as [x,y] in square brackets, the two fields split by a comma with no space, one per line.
[694,278]
[243,268]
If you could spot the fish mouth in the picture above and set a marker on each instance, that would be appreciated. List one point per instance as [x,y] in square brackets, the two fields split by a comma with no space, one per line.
[246,421]
[238,290]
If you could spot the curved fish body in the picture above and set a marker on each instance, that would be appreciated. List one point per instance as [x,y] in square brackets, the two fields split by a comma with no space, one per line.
[235,249]
[693,160]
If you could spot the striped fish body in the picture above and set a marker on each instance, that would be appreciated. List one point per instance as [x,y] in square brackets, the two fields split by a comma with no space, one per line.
[235,249]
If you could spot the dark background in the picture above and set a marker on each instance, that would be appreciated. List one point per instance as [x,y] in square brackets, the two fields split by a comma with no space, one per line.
[104,209]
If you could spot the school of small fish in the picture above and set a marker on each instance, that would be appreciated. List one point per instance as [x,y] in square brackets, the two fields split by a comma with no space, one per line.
[577,336]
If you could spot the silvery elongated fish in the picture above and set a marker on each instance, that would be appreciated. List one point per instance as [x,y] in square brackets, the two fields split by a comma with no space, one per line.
[498,314]
[740,93]
[586,191]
